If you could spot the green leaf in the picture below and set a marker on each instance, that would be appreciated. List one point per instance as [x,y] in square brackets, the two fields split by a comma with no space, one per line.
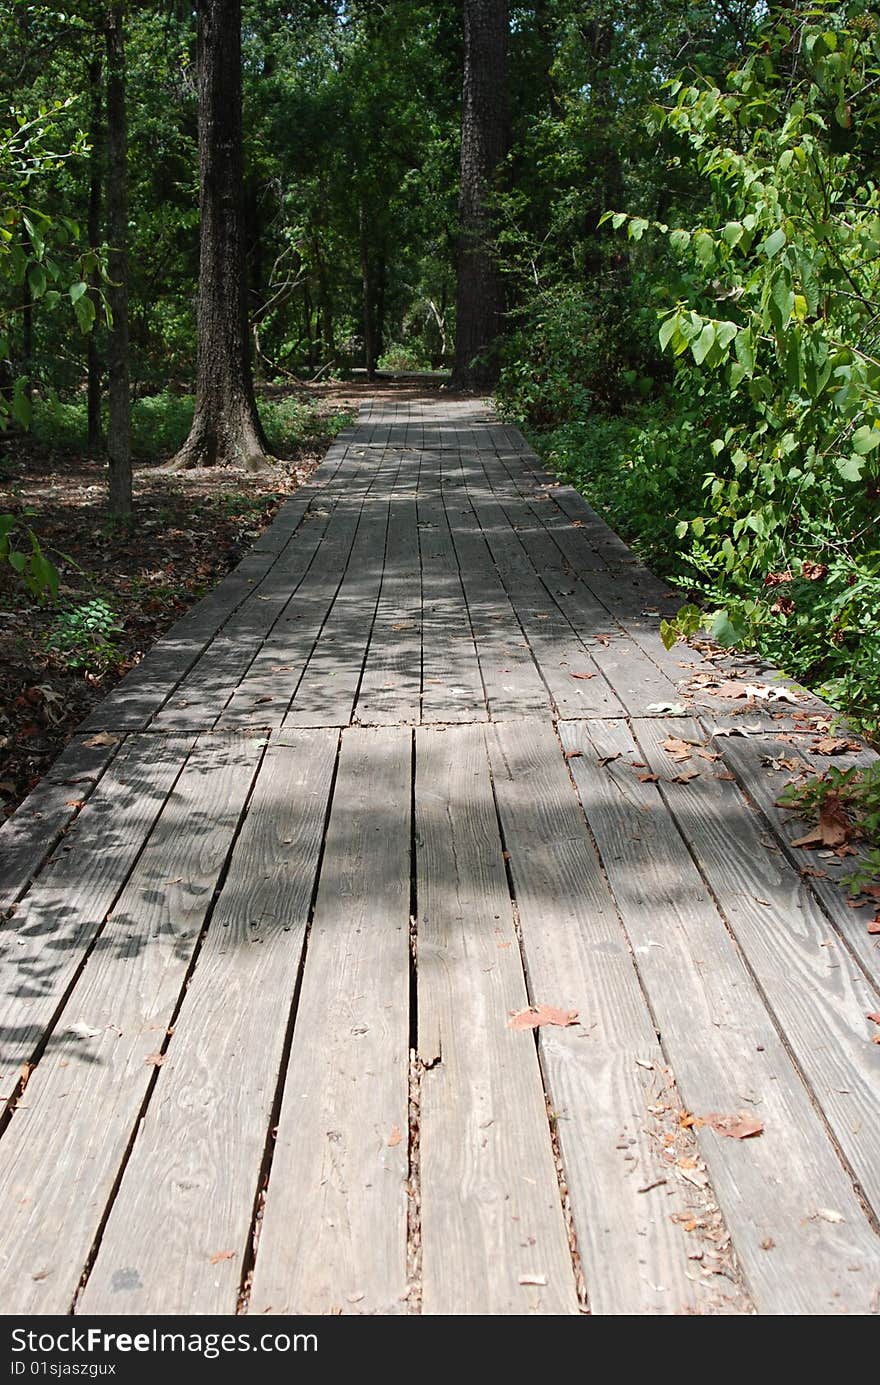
[77,291]
[702,345]
[704,248]
[85,313]
[865,439]
[733,233]
[774,243]
[667,330]
[680,240]
[850,468]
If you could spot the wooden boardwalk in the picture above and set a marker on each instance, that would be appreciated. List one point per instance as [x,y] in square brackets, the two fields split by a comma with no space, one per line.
[406,772]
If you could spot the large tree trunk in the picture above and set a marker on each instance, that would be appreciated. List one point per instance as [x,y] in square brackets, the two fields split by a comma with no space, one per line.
[367,295]
[96,178]
[226,428]
[484,142]
[119,391]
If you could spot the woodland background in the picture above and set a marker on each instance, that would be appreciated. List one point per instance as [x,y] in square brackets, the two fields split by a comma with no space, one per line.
[680,217]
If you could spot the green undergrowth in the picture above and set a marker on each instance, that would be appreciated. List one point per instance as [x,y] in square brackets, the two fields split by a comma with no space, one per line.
[161,422]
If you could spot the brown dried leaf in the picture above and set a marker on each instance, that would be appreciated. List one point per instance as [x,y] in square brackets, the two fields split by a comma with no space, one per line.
[874,925]
[155,1059]
[583,675]
[101,738]
[536,1015]
[741,1127]
[833,745]
[608,759]
[74,802]
[222,1255]
[833,828]
[395,1137]
[677,748]
[874,1017]
[573,754]
[647,778]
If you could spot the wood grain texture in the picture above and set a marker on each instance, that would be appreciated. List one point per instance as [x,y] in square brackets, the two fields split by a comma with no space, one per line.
[725,1050]
[44,943]
[67,1140]
[816,991]
[333,1234]
[200,1146]
[600,1072]
[31,834]
[490,1208]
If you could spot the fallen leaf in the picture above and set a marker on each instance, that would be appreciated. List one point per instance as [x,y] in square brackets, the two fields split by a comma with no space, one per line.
[673,709]
[155,1059]
[222,1255]
[677,748]
[74,802]
[573,754]
[741,1127]
[583,675]
[874,1017]
[81,1030]
[532,1279]
[833,745]
[874,925]
[395,1137]
[537,1015]
[608,759]
[833,827]
[710,755]
[828,1214]
[647,778]
[685,776]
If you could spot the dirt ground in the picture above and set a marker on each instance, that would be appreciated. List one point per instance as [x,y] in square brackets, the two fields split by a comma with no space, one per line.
[190,530]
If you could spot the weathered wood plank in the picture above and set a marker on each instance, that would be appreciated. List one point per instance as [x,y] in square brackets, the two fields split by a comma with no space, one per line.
[491,1215]
[43,944]
[68,1137]
[818,994]
[200,1147]
[333,1236]
[600,1073]
[745,758]
[725,1050]
[31,834]
[452,686]
[513,685]
[391,684]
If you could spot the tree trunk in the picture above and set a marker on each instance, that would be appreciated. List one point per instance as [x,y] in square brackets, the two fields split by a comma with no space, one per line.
[96,173]
[484,142]
[226,427]
[367,293]
[27,327]
[119,393]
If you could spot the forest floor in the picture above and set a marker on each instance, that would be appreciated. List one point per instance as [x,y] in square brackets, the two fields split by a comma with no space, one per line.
[190,530]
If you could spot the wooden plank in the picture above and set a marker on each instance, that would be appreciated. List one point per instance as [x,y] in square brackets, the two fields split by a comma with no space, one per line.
[200,1147]
[600,1073]
[817,992]
[513,685]
[491,1214]
[67,1140]
[333,1236]
[43,944]
[325,695]
[565,663]
[452,686]
[725,1050]
[391,683]
[745,757]
[262,697]
[29,836]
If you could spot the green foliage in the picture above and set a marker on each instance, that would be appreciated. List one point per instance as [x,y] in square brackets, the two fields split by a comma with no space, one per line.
[161,422]
[772,298]
[83,636]
[854,792]
[403,358]
[20,550]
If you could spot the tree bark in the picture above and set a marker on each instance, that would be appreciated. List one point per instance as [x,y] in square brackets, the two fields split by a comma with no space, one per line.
[367,296]
[96,178]
[119,391]
[226,427]
[484,143]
